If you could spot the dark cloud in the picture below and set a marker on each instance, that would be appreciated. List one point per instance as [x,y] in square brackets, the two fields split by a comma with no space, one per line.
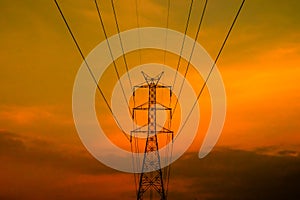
[43,171]
[37,169]
[10,143]
[275,150]
[237,174]
[16,148]
[288,153]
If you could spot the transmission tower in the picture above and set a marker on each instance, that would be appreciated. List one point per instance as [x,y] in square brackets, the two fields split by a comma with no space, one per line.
[153,181]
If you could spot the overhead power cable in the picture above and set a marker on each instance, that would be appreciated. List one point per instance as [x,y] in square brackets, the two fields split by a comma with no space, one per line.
[213,66]
[191,55]
[181,50]
[167,26]
[121,43]
[138,25]
[89,69]
[111,54]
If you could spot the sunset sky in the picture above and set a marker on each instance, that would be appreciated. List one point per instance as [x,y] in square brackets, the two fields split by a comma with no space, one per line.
[257,155]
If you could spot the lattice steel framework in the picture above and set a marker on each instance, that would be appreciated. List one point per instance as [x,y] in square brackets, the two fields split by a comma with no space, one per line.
[153,180]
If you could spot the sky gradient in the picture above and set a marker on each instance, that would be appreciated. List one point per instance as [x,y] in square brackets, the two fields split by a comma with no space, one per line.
[257,155]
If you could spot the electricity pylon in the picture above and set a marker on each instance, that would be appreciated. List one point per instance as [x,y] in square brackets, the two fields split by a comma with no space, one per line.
[152,180]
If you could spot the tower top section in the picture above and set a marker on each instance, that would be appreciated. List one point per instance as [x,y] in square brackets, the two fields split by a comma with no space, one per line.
[152,80]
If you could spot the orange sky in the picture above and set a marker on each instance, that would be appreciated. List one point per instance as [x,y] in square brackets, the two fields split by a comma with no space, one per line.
[259,65]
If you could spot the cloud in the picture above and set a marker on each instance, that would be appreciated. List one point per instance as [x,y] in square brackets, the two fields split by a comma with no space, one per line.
[28,115]
[41,121]
[259,65]
[43,170]
[37,169]
[260,28]
[278,151]
[20,149]
[288,153]
[10,143]
[237,174]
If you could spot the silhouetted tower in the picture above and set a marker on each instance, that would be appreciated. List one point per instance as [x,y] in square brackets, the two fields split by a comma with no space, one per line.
[153,180]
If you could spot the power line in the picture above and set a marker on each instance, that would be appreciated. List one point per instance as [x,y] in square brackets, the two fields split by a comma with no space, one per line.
[191,55]
[121,43]
[138,25]
[181,50]
[88,67]
[168,159]
[111,54]
[167,26]
[213,66]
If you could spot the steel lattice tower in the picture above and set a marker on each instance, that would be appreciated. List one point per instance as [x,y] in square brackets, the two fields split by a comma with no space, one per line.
[151,180]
